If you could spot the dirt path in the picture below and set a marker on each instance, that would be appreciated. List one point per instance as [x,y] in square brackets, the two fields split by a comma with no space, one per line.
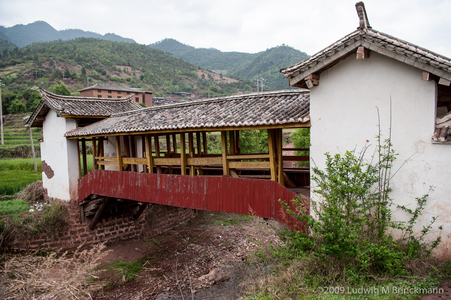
[206,259]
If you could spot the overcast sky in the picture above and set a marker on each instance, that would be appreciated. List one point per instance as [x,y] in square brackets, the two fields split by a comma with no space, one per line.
[241,25]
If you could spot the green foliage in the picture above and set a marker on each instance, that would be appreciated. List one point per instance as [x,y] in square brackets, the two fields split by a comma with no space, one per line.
[12,182]
[15,206]
[351,227]
[254,141]
[61,89]
[22,164]
[128,270]
[16,107]
[301,139]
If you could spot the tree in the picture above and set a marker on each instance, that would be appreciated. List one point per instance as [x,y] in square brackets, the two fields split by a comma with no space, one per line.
[61,89]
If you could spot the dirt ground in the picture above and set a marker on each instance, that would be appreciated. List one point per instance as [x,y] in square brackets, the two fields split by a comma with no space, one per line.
[204,259]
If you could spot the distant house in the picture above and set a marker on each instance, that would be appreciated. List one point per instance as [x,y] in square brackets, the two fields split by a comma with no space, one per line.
[117,92]
[410,86]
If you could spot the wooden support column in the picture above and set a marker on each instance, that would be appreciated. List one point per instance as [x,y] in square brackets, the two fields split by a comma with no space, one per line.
[157,151]
[96,217]
[127,150]
[144,151]
[272,158]
[199,144]
[79,160]
[94,153]
[140,211]
[238,144]
[191,152]
[174,142]
[232,142]
[204,142]
[169,151]
[182,154]
[119,153]
[85,162]
[133,152]
[225,163]
[279,156]
[101,150]
[149,153]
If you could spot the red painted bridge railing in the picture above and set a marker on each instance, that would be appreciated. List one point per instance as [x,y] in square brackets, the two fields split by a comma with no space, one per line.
[233,195]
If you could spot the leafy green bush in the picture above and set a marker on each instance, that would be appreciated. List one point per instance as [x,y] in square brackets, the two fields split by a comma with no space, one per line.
[301,139]
[350,234]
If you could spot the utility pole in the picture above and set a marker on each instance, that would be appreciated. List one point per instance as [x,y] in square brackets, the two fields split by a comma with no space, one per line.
[1,111]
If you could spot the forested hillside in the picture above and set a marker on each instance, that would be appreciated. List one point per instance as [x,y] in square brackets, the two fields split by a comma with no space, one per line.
[86,61]
[265,64]
[40,31]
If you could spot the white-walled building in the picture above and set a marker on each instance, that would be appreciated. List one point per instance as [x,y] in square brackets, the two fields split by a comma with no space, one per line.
[57,115]
[369,70]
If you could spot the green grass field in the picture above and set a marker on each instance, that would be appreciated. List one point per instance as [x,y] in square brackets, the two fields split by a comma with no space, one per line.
[13,181]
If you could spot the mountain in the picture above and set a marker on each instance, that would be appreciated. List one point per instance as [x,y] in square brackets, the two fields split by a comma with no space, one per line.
[83,62]
[265,64]
[40,31]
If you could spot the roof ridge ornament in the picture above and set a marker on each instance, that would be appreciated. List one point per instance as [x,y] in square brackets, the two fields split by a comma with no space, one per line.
[364,23]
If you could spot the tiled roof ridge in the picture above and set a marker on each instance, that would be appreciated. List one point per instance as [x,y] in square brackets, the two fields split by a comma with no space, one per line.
[382,43]
[213,100]
[79,98]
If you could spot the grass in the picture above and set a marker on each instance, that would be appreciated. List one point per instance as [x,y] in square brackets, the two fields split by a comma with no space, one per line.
[228,219]
[16,134]
[16,206]
[19,164]
[11,182]
[127,270]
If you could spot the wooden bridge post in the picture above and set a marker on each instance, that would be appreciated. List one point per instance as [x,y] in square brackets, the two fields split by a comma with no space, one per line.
[225,163]
[157,150]
[272,160]
[83,152]
[204,142]
[94,153]
[133,152]
[119,153]
[279,155]
[182,154]
[191,152]
[149,153]
[174,142]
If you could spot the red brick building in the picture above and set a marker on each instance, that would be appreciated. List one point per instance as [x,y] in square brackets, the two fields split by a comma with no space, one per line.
[115,92]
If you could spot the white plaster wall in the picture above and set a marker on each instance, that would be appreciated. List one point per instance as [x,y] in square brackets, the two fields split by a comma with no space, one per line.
[110,150]
[61,155]
[344,116]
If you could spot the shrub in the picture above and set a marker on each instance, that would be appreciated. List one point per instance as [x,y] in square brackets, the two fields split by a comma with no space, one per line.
[350,234]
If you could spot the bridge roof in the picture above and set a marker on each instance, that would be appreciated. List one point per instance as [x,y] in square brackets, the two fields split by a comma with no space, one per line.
[74,106]
[275,109]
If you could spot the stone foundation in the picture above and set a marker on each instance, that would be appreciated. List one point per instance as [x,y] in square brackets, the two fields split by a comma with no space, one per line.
[155,220]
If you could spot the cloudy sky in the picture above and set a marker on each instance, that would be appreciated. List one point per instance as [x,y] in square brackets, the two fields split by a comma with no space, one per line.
[241,25]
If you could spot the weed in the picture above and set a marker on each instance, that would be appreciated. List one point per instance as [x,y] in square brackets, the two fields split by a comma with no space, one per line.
[127,270]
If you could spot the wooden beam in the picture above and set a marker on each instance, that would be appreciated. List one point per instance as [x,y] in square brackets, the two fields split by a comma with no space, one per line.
[225,163]
[312,80]
[118,153]
[163,161]
[133,152]
[85,161]
[148,153]
[174,142]
[204,142]
[79,160]
[204,161]
[251,165]
[272,158]
[238,144]
[248,156]
[134,161]
[206,129]
[157,150]
[94,151]
[82,213]
[362,53]
[279,155]
[96,217]
[426,76]
[107,162]
[191,151]
[140,211]
[444,81]
[182,154]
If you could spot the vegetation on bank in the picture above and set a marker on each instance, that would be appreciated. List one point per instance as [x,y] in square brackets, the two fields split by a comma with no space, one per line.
[348,250]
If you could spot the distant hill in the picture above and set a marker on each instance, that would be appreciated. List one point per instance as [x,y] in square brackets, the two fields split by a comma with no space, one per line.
[40,31]
[265,64]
